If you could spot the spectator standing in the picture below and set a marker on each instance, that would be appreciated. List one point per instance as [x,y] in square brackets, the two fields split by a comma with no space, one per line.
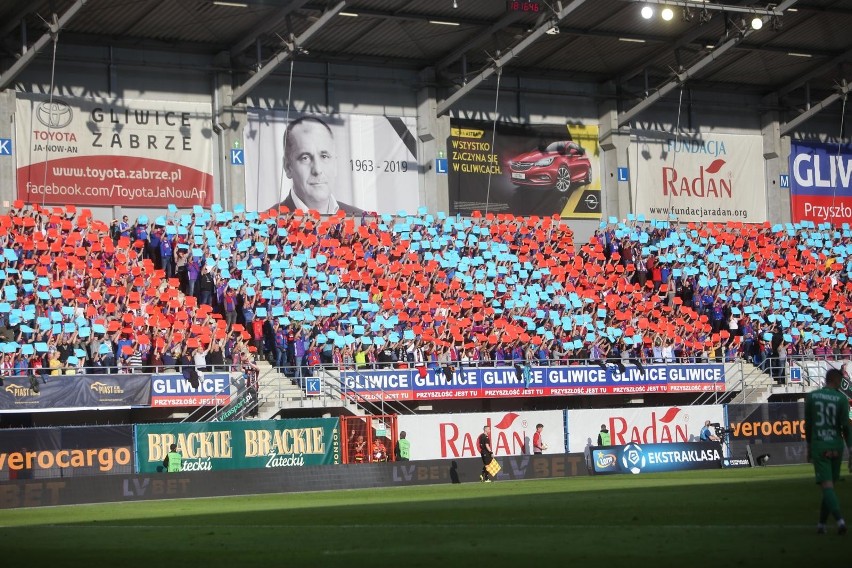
[604,438]
[206,287]
[166,254]
[538,443]
[173,460]
[403,448]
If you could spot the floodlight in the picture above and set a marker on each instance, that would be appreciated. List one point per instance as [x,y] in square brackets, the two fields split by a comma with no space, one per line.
[756,23]
[647,12]
[667,14]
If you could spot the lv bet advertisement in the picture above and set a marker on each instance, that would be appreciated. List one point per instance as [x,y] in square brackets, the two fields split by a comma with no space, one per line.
[350,161]
[707,177]
[450,436]
[524,169]
[130,153]
[821,182]
[216,446]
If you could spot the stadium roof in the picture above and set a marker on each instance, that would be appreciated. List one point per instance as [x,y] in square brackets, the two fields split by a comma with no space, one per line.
[803,52]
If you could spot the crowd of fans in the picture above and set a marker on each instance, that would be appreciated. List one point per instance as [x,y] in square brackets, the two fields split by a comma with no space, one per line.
[213,287]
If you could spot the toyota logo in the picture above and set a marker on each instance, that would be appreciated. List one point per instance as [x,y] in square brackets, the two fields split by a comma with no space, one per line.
[54,114]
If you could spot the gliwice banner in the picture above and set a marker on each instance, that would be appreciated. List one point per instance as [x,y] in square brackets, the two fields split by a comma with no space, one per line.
[821,182]
[131,153]
[708,177]
[348,162]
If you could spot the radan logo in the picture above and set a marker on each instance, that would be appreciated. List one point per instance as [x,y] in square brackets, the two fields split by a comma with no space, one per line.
[672,426]
[508,437]
[709,183]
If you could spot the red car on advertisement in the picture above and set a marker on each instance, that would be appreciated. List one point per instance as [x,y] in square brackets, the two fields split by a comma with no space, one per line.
[560,165]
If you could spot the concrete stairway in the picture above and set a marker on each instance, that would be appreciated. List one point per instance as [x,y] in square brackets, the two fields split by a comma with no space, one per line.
[277,393]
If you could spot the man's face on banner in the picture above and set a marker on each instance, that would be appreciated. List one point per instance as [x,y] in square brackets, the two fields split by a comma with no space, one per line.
[310,162]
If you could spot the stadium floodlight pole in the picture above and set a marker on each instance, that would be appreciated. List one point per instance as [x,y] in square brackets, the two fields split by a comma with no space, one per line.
[627,116]
[243,90]
[842,92]
[539,31]
[28,57]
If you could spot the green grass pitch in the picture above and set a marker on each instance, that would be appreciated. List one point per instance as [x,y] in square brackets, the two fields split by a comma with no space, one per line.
[719,518]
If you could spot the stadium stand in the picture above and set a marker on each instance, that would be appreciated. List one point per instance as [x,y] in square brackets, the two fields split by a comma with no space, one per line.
[412,289]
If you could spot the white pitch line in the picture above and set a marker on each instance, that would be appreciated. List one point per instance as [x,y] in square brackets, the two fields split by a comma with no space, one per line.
[97,525]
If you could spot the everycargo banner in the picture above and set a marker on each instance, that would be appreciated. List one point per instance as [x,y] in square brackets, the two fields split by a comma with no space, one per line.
[214,446]
[78,392]
[523,169]
[776,428]
[505,382]
[364,162]
[652,458]
[821,182]
[35,453]
[703,177]
[441,436]
[128,153]
[171,389]
[641,425]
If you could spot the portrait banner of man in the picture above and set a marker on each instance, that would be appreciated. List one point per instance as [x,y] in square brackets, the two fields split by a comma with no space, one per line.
[330,163]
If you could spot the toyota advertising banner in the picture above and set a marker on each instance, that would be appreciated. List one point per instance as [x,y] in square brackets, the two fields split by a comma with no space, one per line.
[503,382]
[128,153]
[522,169]
[171,389]
[35,453]
[708,177]
[77,392]
[653,458]
[442,436]
[364,162]
[214,446]
[642,425]
[821,182]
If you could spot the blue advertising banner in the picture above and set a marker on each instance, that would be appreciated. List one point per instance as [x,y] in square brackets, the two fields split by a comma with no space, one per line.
[498,382]
[649,458]
[821,182]
[173,390]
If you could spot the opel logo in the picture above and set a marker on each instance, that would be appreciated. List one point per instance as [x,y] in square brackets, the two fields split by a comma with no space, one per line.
[591,201]
[54,114]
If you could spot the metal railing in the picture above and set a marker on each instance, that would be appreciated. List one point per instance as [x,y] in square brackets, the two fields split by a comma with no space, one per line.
[273,387]
[242,402]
